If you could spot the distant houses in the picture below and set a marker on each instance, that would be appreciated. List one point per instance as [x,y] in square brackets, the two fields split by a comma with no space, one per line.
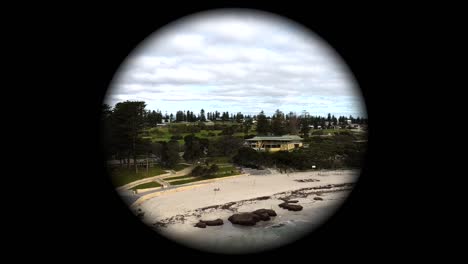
[275,143]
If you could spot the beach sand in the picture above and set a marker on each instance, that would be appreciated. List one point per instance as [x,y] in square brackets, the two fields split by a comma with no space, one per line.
[174,214]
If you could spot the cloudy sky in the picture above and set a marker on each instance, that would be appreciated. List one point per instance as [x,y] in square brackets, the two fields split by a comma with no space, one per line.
[237,62]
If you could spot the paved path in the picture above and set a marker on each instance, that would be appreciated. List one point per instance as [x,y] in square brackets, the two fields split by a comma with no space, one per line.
[157,178]
[165,184]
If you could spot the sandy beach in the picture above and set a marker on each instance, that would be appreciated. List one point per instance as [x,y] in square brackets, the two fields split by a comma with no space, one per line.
[174,214]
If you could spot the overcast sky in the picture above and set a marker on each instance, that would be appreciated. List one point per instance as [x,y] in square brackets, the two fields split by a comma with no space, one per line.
[237,62]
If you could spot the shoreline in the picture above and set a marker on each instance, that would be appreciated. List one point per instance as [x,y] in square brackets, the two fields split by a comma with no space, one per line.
[286,227]
[233,206]
[174,215]
[180,200]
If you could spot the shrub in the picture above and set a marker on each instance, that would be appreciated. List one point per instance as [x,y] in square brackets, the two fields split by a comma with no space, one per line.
[318,132]
[344,133]
[176,137]
[198,171]
[213,169]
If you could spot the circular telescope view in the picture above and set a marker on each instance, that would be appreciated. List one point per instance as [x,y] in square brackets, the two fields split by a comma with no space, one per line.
[234,131]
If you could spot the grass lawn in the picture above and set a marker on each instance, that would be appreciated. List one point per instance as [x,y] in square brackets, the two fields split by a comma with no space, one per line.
[163,134]
[223,172]
[123,175]
[217,160]
[204,133]
[147,185]
[331,131]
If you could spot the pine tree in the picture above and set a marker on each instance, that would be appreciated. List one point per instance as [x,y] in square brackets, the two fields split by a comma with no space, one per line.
[202,115]
[278,123]
[263,127]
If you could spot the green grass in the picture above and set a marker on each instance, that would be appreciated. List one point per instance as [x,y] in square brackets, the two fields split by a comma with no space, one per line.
[331,131]
[178,177]
[147,185]
[162,134]
[223,172]
[221,159]
[204,133]
[123,175]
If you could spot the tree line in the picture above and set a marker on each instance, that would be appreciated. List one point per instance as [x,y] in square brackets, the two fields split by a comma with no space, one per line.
[124,125]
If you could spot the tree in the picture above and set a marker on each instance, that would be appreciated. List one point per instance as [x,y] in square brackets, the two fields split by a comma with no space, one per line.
[193,148]
[247,125]
[225,146]
[239,117]
[248,157]
[128,123]
[153,118]
[170,156]
[106,111]
[263,127]
[179,116]
[107,133]
[292,124]
[225,116]
[305,127]
[228,131]
[193,118]
[202,115]
[278,123]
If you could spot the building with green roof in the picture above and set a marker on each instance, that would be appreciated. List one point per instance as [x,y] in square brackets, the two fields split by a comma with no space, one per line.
[275,143]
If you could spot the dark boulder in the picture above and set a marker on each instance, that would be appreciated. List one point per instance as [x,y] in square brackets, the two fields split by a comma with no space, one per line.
[264,216]
[292,201]
[290,207]
[318,198]
[247,219]
[216,222]
[269,212]
[200,225]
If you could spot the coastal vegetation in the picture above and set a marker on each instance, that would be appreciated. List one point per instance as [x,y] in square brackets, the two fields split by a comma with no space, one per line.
[144,143]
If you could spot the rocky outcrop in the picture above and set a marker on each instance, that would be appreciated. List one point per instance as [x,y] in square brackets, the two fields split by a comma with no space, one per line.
[268,212]
[247,219]
[205,223]
[216,222]
[318,198]
[200,225]
[290,207]
[250,219]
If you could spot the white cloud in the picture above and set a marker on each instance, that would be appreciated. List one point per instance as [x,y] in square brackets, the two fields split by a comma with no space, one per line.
[241,60]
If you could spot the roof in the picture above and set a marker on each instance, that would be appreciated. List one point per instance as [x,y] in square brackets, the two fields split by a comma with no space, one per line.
[270,138]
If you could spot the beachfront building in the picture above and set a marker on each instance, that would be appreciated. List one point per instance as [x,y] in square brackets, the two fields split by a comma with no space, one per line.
[269,143]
